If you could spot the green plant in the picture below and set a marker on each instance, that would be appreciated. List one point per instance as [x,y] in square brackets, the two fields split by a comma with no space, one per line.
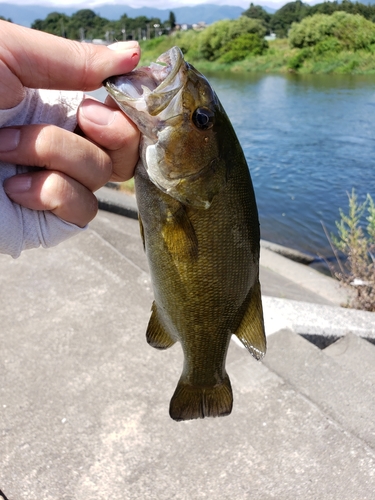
[353,32]
[329,44]
[356,240]
[243,46]
[298,59]
[213,40]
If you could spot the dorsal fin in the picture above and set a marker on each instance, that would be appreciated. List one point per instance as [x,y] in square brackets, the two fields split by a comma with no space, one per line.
[251,329]
[156,335]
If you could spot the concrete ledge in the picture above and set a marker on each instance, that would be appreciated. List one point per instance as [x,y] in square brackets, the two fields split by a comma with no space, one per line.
[290,253]
[305,276]
[316,319]
[117,202]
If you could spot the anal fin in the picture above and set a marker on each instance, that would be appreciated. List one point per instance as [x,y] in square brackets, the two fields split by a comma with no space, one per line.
[156,335]
[251,329]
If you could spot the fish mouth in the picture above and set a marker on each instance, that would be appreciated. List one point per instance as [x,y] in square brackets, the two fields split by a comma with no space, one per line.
[149,90]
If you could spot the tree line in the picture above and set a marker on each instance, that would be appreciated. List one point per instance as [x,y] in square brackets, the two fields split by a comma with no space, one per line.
[318,42]
[294,12]
[85,24]
[324,32]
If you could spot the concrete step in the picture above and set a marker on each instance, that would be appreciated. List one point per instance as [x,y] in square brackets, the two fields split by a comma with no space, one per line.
[281,423]
[355,354]
[319,322]
[341,394]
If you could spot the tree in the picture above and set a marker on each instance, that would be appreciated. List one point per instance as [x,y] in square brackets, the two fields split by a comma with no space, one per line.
[214,39]
[85,24]
[340,31]
[241,47]
[55,23]
[367,11]
[172,20]
[292,12]
[257,12]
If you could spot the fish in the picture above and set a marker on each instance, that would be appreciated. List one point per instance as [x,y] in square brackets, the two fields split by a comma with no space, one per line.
[199,225]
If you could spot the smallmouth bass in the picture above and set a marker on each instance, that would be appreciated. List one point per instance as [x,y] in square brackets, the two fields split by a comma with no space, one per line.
[200,228]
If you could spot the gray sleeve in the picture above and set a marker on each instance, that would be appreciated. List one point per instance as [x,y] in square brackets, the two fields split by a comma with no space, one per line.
[22,228]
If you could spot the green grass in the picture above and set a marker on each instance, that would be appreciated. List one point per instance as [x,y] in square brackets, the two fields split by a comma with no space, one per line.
[128,186]
[279,58]
[360,62]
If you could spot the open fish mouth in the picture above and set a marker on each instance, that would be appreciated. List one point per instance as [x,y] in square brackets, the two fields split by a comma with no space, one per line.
[149,89]
[178,152]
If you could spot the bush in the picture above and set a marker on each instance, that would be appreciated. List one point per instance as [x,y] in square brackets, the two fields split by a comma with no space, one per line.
[153,43]
[330,44]
[297,60]
[353,32]
[243,46]
[356,239]
[188,43]
[214,38]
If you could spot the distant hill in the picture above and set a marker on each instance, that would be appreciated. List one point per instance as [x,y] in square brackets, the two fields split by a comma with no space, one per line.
[25,15]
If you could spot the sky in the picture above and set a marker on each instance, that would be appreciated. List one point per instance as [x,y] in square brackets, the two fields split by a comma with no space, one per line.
[162,4]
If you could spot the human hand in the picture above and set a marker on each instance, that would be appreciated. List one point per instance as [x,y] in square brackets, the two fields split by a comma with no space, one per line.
[74,165]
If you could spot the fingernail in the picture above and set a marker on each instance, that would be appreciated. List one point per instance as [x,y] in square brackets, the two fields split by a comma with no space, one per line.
[124,46]
[9,139]
[97,113]
[18,184]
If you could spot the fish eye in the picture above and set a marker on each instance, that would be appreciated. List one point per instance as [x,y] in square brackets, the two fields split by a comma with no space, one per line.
[203,118]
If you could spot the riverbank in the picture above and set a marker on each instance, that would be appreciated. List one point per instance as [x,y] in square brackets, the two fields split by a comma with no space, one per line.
[278,58]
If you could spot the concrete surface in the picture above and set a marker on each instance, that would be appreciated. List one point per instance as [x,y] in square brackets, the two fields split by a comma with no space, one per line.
[84,400]
[321,379]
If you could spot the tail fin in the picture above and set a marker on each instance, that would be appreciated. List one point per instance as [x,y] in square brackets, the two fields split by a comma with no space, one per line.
[189,402]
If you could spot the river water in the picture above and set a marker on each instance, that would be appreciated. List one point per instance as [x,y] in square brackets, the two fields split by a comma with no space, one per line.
[308,140]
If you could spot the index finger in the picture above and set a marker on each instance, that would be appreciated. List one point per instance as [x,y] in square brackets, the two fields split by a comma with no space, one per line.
[35,59]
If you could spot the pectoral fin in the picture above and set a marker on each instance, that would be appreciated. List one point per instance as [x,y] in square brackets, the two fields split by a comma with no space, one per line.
[179,235]
[156,335]
[251,329]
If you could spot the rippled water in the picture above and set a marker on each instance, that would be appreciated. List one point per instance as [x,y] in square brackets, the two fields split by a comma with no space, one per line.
[308,141]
